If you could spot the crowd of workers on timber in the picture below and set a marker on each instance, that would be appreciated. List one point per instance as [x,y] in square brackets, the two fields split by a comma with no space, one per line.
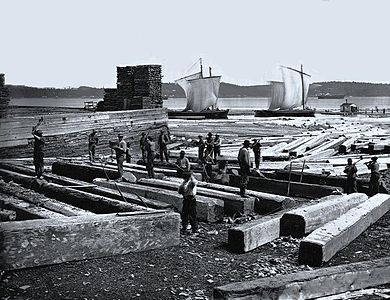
[209,152]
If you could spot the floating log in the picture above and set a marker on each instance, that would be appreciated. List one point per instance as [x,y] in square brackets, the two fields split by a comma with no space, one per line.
[303,220]
[265,202]
[84,200]
[346,146]
[232,203]
[45,242]
[322,244]
[280,187]
[7,215]
[208,209]
[27,211]
[311,284]
[39,200]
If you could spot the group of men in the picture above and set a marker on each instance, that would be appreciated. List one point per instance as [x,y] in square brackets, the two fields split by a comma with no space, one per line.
[209,147]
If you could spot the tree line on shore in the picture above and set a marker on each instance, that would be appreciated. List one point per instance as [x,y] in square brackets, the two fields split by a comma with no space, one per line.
[227,90]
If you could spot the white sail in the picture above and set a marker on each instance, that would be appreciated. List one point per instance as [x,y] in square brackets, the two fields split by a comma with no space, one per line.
[294,88]
[183,82]
[277,95]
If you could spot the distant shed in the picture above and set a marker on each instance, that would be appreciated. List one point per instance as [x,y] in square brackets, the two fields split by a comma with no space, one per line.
[349,108]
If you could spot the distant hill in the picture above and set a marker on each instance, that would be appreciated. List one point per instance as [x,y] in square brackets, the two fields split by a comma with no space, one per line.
[227,90]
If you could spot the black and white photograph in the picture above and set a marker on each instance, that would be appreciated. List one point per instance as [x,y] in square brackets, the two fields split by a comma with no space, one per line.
[194,150]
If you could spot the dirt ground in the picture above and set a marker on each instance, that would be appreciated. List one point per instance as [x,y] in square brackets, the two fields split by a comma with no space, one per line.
[187,271]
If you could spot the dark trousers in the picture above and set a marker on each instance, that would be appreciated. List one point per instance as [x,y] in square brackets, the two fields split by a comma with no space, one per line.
[351,186]
[257,160]
[374,184]
[244,172]
[164,152]
[189,213]
[143,151]
[38,164]
[217,151]
[120,160]
[150,165]
[200,153]
[91,150]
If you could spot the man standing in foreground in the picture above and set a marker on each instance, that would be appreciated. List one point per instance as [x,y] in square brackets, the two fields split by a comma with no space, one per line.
[374,178]
[150,154]
[92,142]
[244,161]
[351,185]
[257,152]
[39,143]
[188,190]
[120,152]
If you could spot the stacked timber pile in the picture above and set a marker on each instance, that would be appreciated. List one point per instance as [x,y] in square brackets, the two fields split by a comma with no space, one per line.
[4,94]
[67,134]
[138,87]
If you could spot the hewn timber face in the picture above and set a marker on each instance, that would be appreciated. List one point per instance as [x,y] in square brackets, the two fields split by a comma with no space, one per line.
[44,242]
[67,134]
[311,284]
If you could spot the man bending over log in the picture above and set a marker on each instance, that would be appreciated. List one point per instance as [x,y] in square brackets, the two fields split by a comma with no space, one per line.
[188,190]
[244,161]
[39,143]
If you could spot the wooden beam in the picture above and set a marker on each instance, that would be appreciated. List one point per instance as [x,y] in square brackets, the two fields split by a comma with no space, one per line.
[233,203]
[27,211]
[45,242]
[322,244]
[311,284]
[81,199]
[39,200]
[303,220]
[208,209]
[280,187]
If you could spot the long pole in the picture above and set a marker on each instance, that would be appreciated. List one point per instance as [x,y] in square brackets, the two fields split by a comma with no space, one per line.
[201,68]
[303,167]
[289,180]
[303,88]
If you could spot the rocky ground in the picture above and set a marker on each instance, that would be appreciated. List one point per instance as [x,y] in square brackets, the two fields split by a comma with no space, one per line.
[187,271]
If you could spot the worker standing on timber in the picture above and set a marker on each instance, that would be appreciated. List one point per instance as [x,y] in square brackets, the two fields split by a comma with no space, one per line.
[163,140]
[374,178]
[256,147]
[92,142]
[244,161]
[183,164]
[201,146]
[210,144]
[217,146]
[150,154]
[350,170]
[39,143]
[120,153]
[142,143]
[188,190]
[208,168]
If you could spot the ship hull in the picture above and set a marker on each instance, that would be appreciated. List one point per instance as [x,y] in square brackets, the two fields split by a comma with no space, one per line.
[208,114]
[285,113]
[331,96]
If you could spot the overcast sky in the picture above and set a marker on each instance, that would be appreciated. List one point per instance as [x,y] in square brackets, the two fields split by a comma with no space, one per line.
[80,42]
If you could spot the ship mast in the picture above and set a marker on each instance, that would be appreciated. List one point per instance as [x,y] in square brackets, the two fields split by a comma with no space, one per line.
[303,88]
[201,68]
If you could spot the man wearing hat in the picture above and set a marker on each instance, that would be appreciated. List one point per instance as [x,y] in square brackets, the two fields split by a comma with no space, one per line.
[39,143]
[217,146]
[244,161]
[201,147]
[92,142]
[183,164]
[210,144]
[256,147]
[163,140]
[374,178]
[150,154]
[120,152]
[188,213]
[351,184]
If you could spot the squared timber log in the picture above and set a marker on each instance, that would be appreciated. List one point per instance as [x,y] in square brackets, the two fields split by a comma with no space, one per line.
[322,244]
[311,284]
[44,242]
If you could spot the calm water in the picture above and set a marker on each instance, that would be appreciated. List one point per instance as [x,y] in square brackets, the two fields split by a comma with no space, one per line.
[224,103]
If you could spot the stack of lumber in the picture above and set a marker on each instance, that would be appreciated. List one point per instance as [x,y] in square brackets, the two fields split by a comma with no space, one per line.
[67,134]
[138,87]
[4,94]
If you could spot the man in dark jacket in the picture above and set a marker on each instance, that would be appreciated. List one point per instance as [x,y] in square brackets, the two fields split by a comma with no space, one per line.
[256,147]
[375,176]
[244,162]
[163,140]
[92,142]
[350,170]
[39,144]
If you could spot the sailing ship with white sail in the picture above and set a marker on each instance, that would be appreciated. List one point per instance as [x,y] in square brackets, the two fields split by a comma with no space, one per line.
[202,97]
[289,97]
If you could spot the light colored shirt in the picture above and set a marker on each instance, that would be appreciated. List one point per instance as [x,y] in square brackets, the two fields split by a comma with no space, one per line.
[243,157]
[189,187]
[183,163]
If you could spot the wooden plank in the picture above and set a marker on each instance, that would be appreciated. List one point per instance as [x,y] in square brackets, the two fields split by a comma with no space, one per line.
[45,242]
[322,244]
[303,220]
[233,203]
[311,284]
[265,202]
[39,200]
[208,209]
[25,210]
